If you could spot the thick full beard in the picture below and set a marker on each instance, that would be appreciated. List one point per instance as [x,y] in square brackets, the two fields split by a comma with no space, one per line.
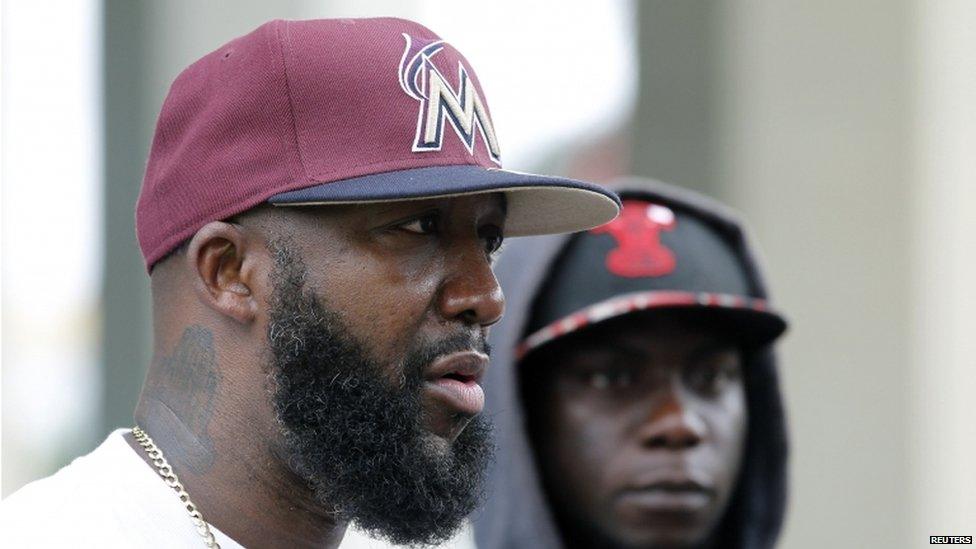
[356,437]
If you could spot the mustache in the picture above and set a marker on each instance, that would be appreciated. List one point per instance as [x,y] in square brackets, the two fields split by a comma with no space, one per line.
[463,341]
[427,351]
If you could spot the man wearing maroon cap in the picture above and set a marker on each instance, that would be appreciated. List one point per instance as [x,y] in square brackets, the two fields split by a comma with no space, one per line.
[320,210]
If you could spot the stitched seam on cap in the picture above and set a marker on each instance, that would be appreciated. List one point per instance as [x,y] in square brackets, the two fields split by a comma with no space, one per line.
[283,42]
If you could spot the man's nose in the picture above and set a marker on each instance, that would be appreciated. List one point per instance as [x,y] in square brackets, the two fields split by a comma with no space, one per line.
[470,292]
[671,424]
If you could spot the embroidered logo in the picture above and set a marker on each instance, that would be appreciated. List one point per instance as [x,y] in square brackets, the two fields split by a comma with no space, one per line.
[639,252]
[463,108]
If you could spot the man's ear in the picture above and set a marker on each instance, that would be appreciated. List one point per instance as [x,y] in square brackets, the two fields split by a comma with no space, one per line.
[218,258]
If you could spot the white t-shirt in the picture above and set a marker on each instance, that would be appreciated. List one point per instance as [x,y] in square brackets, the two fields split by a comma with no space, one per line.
[108,498]
[111,498]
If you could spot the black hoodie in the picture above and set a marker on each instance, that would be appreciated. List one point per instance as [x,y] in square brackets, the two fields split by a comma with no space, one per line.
[516,514]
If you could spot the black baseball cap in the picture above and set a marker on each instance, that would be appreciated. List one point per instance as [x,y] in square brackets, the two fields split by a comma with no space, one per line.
[652,257]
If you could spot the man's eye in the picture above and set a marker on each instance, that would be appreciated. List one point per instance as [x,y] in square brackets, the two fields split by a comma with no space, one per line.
[428,224]
[493,239]
[609,379]
[706,380]
[713,377]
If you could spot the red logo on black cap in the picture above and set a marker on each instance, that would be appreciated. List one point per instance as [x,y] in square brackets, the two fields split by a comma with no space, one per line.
[639,252]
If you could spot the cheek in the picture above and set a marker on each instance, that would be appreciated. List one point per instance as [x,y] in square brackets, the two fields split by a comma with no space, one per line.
[728,419]
[383,300]
[589,440]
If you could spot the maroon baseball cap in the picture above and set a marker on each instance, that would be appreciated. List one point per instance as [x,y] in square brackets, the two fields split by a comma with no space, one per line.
[336,111]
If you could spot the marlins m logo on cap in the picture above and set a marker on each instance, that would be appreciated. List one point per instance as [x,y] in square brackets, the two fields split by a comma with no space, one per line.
[464,108]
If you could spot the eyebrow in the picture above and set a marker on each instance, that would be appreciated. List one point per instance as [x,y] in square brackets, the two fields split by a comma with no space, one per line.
[713,347]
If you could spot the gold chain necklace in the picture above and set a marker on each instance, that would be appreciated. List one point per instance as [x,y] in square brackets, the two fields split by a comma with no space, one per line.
[171,480]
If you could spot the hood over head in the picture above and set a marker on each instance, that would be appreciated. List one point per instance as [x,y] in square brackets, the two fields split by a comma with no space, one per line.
[516,513]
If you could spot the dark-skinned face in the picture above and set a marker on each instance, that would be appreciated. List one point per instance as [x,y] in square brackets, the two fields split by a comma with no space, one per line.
[638,426]
[403,274]
[377,327]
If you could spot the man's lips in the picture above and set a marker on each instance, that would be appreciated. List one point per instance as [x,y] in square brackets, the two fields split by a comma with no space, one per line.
[454,380]
[667,493]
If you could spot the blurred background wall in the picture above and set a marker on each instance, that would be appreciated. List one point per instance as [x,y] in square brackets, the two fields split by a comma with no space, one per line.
[844,131]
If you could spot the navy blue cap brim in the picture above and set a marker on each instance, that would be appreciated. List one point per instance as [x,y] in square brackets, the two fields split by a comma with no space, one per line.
[537,204]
